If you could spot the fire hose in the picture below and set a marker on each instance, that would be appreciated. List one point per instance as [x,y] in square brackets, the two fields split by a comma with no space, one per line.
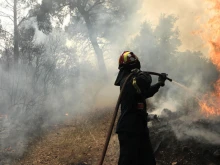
[116,112]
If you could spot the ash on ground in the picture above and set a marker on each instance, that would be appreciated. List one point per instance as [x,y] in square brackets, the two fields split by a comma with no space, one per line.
[177,141]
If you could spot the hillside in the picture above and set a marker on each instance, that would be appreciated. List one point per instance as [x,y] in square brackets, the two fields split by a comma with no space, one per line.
[80,142]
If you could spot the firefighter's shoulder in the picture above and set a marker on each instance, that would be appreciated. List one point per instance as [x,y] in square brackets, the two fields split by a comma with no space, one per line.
[142,76]
[142,79]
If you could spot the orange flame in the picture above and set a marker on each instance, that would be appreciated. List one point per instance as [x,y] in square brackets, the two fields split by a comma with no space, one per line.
[210,103]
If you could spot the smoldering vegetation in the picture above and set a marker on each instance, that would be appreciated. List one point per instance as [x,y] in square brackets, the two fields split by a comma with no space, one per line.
[51,65]
[64,48]
[158,50]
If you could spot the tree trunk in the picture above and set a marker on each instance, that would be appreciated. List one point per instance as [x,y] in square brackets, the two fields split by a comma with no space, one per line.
[93,40]
[16,35]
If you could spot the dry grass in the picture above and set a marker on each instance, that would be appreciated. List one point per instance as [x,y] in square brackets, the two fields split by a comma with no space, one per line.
[80,140]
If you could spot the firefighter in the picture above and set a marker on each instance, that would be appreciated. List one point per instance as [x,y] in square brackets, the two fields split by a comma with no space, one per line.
[132,130]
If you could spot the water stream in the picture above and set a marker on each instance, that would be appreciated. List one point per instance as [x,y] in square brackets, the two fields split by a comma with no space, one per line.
[188,90]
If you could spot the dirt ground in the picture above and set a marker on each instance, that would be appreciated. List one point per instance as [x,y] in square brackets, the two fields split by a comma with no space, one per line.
[80,142]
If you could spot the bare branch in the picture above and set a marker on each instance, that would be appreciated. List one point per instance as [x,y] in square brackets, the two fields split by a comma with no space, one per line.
[7,17]
[3,13]
[6,6]
[25,19]
[10,5]
[22,20]
[97,2]
[85,2]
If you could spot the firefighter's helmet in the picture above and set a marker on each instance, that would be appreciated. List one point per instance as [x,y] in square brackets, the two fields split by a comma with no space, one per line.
[128,60]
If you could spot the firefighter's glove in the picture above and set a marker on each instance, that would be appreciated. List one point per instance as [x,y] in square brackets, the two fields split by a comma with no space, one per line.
[162,78]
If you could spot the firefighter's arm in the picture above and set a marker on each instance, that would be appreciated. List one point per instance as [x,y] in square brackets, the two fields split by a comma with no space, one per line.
[142,84]
[155,88]
[152,90]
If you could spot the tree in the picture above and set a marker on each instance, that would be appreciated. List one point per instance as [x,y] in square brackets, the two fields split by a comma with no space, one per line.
[89,14]
[76,7]
[13,12]
[158,51]
[16,34]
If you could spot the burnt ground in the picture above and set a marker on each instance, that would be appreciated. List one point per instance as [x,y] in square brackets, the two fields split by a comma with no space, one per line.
[80,141]
[188,151]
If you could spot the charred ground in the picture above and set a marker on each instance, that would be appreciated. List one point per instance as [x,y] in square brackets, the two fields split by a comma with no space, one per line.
[80,141]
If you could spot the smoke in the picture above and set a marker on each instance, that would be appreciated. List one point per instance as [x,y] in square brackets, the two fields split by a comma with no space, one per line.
[163,39]
[158,51]
[188,12]
[190,130]
[64,77]
[165,43]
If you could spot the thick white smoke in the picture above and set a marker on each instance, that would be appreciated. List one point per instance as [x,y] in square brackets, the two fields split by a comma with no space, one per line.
[68,81]
[166,43]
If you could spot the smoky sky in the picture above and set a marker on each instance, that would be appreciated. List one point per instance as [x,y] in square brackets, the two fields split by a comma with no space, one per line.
[190,14]
[74,84]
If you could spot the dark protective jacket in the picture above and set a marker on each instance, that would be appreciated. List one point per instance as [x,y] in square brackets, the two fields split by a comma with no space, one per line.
[133,116]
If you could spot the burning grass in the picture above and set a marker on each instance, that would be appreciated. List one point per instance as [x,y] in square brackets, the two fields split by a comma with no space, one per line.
[211,37]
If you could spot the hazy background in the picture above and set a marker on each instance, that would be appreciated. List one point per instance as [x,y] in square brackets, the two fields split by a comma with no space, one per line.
[59,67]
